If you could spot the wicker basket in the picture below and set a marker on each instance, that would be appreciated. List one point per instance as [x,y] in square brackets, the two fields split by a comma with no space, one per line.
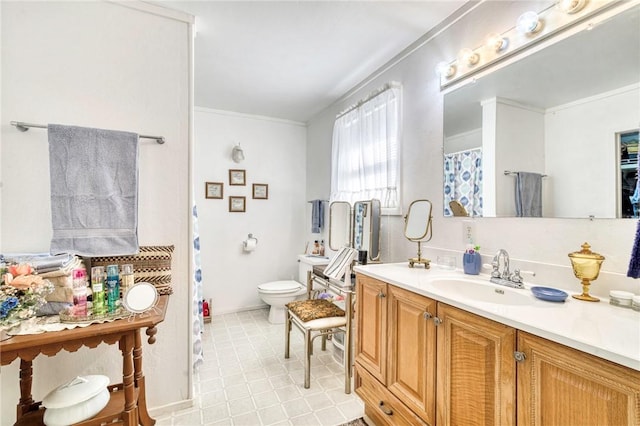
[152,264]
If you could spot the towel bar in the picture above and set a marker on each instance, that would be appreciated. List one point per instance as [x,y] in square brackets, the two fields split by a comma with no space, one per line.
[23,127]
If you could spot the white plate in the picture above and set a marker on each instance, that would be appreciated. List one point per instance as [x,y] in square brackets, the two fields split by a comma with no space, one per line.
[140,297]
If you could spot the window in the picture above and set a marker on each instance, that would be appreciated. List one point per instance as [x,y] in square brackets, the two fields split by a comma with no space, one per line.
[366,151]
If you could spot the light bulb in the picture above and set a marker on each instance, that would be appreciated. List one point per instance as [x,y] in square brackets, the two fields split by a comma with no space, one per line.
[468,56]
[496,42]
[528,23]
[571,6]
[446,70]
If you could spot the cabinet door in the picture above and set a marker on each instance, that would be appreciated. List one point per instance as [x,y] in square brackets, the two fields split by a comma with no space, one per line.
[558,385]
[476,370]
[412,351]
[371,323]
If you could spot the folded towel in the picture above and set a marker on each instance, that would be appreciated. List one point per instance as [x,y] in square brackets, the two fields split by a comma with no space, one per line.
[317,216]
[94,191]
[528,194]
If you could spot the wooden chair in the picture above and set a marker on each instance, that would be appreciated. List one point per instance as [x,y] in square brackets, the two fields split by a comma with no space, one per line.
[322,318]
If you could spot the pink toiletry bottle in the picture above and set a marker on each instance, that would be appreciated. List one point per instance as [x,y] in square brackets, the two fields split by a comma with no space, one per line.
[80,292]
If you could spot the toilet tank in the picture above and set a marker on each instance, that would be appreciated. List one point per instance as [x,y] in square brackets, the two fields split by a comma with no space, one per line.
[306,263]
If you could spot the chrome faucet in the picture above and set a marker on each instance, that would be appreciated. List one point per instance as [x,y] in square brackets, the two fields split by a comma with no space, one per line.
[504,277]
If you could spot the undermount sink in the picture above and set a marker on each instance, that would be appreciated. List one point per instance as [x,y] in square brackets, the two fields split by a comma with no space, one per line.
[461,288]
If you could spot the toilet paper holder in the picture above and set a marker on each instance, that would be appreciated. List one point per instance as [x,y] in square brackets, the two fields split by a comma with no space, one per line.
[250,243]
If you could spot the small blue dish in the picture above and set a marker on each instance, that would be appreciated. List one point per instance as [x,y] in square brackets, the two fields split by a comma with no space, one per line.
[549,294]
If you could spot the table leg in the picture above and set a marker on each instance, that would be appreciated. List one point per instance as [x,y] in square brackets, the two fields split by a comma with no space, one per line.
[130,414]
[26,402]
[143,414]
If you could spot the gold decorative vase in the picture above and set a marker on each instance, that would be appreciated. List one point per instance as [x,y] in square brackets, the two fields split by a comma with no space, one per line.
[586,267]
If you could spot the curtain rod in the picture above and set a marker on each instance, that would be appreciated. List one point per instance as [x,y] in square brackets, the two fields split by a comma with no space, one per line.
[369,97]
[23,127]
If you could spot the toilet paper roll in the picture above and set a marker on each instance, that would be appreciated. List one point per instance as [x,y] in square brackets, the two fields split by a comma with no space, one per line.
[250,244]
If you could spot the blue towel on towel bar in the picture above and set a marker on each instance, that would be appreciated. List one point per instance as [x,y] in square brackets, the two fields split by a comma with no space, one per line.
[94,191]
[317,216]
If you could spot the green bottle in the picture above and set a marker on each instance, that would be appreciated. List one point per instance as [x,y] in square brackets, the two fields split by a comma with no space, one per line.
[97,286]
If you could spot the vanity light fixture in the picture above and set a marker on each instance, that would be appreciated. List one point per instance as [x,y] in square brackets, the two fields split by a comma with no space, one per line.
[469,57]
[530,28]
[496,42]
[571,6]
[529,23]
[237,154]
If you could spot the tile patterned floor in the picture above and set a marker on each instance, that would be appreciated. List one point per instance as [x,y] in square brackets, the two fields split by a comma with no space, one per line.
[245,380]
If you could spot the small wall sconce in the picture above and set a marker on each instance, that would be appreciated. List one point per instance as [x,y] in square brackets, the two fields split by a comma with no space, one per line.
[237,154]
[529,23]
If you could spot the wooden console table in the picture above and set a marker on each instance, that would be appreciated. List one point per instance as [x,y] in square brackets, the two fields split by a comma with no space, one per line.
[127,404]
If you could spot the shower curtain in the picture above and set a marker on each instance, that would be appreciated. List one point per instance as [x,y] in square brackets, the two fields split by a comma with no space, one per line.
[198,320]
[463,181]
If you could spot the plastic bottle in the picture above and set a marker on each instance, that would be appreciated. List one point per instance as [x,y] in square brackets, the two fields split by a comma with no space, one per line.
[113,288]
[316,247]
[127,278]
[205,308]
[97,287]
[321,248]
[80,292]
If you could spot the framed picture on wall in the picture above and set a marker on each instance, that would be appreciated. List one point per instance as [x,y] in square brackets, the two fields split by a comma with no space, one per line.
[237,204]
[237,177]
[260,191]
[213,190]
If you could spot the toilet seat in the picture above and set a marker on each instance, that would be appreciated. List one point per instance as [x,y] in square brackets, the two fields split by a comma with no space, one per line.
[275,287]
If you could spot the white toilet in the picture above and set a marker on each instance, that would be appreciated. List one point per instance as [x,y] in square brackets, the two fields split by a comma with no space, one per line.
[278,293]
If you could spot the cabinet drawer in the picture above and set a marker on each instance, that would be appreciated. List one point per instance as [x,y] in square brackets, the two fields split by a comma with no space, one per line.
[380,404]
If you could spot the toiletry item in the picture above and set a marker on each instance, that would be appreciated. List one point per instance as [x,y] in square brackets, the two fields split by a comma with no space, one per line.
[205,308]
[321,248]
[620,298]
[127,278]
[316,247]
[79,292]
[362,257]
[112,288]
[97,288]
[471,260]
[635,303]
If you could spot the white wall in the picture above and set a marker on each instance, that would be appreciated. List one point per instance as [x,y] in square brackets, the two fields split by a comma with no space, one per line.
[581,138]
[106,65]
[275,152]
[520,147]
[463,141]
[534,244]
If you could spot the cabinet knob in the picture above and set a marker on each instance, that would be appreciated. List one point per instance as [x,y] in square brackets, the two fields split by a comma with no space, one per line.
[426,315]
[381,295]
[519,356]
[437,321]
[385,410]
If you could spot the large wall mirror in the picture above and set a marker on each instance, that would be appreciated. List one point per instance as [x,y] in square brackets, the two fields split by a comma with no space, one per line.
[569,113]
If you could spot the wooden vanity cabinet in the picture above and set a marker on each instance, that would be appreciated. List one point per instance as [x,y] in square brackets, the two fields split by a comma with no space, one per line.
[395,353]
[476,370]
[558,385]
[422,362]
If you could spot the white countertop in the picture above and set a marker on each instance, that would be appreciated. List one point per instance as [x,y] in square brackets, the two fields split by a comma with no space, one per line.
[606,331]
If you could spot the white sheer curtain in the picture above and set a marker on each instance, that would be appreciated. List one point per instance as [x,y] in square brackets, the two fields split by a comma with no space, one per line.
[366,150]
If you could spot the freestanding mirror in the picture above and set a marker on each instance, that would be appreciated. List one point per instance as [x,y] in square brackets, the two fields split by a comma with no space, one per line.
[358,227]
[339,225]
[418,228]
